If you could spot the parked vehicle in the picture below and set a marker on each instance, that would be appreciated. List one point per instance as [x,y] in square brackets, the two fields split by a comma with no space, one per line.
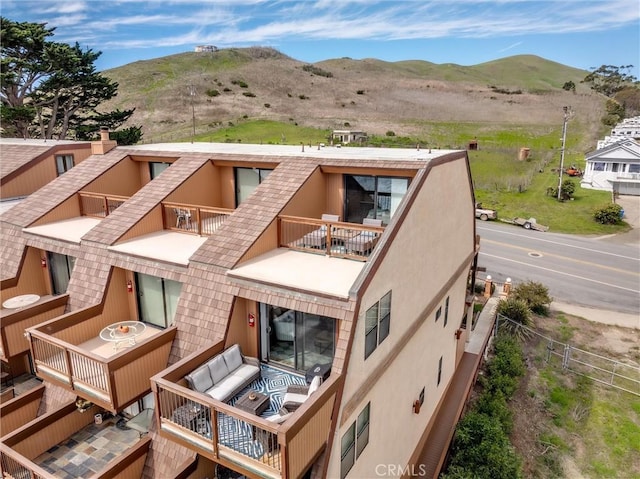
[530,224]
[485,214]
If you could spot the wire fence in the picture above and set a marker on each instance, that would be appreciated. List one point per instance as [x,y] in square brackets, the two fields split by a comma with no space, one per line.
[613,373]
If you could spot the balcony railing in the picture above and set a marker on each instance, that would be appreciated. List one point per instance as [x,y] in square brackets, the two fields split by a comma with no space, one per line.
[20,410]
[628,176]
[199,220]
[97,205]
[61,356]
[344,240]
[239,440]
[21,448]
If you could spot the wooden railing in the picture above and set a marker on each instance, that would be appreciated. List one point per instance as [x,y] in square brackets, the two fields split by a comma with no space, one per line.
[240,440]
[194,219]
[333,238]
[97,205]
[110,383]
[20,410]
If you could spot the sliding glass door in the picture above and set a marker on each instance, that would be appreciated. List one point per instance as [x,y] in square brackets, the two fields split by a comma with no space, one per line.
[60,268]
[295,339]
[247,180]
[373,197]
[157,299]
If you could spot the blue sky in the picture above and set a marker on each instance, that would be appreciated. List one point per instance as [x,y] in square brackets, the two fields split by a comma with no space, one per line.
[579,33]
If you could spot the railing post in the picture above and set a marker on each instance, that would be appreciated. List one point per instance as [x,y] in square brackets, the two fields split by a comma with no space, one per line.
[328,239]
[199,221]
[105,205]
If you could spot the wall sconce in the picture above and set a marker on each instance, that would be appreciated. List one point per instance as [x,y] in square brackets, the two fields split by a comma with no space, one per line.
[416,406]
[129,287]
[458,333]
[43,262]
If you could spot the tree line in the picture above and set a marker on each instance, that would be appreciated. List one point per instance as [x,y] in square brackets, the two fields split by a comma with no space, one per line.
[51,90]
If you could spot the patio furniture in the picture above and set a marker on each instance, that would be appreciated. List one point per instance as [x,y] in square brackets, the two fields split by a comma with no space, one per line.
[364,242]
[322,370]
[21,301]
[123,332]
[296,394]
[254,402]
[318,238]
[141,422]
[224,375]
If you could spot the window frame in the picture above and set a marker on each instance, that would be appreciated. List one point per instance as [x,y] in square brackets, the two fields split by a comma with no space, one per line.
[446,312]
[376,325]
[439,371]
[62,163]
[357,439]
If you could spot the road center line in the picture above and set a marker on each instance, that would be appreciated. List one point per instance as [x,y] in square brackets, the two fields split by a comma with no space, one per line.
[557,243]
[561,272]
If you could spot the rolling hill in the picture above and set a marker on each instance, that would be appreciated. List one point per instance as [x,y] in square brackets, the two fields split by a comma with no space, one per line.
[407,97]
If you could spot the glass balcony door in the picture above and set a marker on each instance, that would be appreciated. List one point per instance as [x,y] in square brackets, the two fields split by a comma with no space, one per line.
[295,339]
[60,268]
[157,299]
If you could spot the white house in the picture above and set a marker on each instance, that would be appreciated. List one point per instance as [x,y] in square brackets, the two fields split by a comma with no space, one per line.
[615,167]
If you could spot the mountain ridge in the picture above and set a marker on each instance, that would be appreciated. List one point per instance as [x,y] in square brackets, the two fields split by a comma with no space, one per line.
[230,85]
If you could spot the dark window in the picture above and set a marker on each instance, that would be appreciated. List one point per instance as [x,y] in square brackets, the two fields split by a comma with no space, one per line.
[438,313]
[634,168]
[446,312]
[599,166]
[60,268]
[373,197]
[439,370]
[155,168]
[354,440]
[63,163]
[377,324]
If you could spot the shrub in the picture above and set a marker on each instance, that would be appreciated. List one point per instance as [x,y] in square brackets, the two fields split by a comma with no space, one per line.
[248,93]
[240,83]
[212,92]
[267,105]
[314,70]
[360,92]
[495,405]
[535,294]
[608,215]
[303,97]
[519,313]
[391,133]
[227,89]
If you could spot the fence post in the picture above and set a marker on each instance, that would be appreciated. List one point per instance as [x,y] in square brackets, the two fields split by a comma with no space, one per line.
[549,349]
[613,373]
[487,286]
[565,356]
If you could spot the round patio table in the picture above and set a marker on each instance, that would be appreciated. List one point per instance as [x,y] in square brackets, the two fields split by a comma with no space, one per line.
[20,301]
[123,332]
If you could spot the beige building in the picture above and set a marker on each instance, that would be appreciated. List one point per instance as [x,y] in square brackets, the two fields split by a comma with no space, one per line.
[185,297]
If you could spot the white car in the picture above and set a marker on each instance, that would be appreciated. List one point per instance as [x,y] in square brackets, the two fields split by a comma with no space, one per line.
[485,214]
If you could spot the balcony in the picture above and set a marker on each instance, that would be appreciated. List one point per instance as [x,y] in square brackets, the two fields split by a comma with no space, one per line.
[19,410]
[97,205]
[16,321]
[332,238]
[239,440]
[69,351]
[197,220]
[67,443]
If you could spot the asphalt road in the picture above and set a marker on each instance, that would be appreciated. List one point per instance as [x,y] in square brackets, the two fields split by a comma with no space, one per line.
[577,270]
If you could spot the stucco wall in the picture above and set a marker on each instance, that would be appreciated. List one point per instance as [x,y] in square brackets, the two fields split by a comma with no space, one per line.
[434,241]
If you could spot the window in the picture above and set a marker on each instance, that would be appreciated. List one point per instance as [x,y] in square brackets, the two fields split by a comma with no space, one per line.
[373,197]
[634,168]
[438,313]
[155,168]
[63,163]
[362,428]
[247,180]
[354,440]
[439,370]
[599,166]
[446,312]
[377,324]
[157,299]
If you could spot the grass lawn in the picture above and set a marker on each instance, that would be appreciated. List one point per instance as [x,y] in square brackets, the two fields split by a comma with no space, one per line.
[513,187]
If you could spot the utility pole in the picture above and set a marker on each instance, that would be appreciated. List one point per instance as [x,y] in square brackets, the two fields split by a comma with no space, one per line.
[567,111]
[192,93]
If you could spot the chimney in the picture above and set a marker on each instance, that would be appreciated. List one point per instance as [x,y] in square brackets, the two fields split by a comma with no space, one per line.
[105,145]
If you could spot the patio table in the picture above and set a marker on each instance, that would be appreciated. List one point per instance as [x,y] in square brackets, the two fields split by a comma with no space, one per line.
[20,301]
[123,332]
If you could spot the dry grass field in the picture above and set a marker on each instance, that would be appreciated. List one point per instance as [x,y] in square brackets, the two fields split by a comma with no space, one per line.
[408,98]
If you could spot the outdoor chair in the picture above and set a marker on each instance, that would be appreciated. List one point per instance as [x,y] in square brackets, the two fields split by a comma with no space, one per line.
[318,238]
[297,394]
[364,242]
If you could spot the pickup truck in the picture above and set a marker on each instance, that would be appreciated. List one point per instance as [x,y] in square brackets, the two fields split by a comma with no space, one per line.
[485,214]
